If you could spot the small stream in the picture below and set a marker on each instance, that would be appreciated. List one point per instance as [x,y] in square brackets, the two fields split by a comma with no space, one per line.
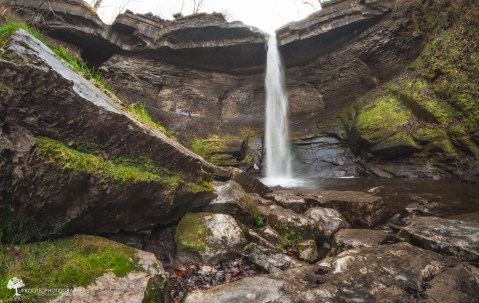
[444,197]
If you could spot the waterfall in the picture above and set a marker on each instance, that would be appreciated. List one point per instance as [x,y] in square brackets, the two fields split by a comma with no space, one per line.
[278,154]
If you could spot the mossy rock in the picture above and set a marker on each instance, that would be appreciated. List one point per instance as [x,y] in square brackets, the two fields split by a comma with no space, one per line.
[74,262]
[432,110]
[207,237]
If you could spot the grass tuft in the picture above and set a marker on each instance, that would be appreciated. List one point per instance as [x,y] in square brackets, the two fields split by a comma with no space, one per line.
[139,111]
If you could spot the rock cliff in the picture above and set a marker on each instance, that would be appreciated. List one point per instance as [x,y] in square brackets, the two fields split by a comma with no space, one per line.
[213,71]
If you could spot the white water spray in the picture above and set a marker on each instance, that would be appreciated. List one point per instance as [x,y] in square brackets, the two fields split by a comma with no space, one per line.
[278,154]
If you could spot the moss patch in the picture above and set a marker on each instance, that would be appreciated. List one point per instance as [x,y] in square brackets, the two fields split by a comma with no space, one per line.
[64,263]
[139,111]
[191,233]
[433,109]
[219,150]
[120,170]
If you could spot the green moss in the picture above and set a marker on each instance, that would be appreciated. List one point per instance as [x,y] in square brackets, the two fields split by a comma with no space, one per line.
[217,149]
[64,263]
[435,104]
[120,170]
[191,233]
[20,228]
[201,186]
[156,290]
[381,119]
[139,111]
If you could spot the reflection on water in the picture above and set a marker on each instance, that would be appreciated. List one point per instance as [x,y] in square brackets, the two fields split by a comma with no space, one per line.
[446,197]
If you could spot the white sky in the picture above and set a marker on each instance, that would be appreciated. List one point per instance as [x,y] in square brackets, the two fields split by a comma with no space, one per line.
[267,15]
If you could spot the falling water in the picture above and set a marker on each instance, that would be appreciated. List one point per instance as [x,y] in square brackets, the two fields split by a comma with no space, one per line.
[278,154]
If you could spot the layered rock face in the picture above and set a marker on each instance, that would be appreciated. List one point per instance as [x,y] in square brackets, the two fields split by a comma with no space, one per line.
[214,70]
[74,161]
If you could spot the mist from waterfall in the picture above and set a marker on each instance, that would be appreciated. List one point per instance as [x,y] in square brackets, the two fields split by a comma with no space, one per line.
[278,153]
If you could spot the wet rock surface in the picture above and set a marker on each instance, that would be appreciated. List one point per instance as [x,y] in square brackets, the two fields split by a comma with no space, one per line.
[452,237]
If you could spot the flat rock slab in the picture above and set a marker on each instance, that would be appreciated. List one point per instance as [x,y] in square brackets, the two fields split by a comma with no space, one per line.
[390,273]
[445,236]
[360,209]
[357,238]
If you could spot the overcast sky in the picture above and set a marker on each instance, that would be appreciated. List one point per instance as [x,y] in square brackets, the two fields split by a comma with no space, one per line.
[265,14]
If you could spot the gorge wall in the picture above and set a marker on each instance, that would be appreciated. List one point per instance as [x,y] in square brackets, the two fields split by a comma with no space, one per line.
[215,69]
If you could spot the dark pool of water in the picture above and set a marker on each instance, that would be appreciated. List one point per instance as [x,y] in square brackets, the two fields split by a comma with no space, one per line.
[443,197]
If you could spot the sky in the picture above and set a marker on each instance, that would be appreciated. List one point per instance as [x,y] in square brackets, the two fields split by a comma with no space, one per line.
[267,15]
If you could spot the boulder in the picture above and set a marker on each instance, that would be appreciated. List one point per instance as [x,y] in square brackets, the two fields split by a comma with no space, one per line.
[87,269]
[391,273]
[347,239]
[445,236]
[330,219]
[308,251]
[360,209]
[80,161]
[269,259]
[291,226]
[208,238]
[232,200]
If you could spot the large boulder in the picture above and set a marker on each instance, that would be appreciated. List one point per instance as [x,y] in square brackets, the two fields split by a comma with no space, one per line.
[446,236]
[392,273]
[232,200]
[72,160]
[291,226]
[208,238]
[85,269]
